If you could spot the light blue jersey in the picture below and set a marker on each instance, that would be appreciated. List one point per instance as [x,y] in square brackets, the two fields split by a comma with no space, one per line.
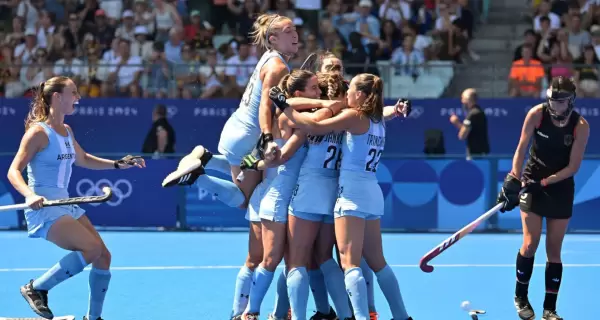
[316,189]
[274,205]
[48,175]
[242,129]
[260,190]
[359,190]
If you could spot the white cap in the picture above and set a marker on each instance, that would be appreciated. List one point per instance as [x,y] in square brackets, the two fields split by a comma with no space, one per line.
[127,14]
[365,3]
[140,30]
[30,32]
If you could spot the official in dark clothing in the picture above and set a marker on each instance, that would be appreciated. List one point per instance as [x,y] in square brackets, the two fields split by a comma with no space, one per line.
[559,137]
[161,137]
[474,128]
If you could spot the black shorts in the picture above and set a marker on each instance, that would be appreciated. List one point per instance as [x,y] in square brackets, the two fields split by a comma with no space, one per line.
[554,202]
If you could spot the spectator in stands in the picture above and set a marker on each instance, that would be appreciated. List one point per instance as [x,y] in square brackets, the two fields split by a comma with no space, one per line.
[93,74]
[9,69]
[239,69]
[25,51]
[212,76]
[69,66]
[368,27]
[245,12]
[408,60]
[46,30]
[284,8]
[397,11]
[560,61]
[127,28]
[595,32]
[453,43]
[203,39]
[187,75]
[391,39]
[37,70]
[167,18]
[29,11]
[526,75]
[544,11]
[157,73]
[445,18]
[111,56]
[530,39]
[423,20]
[174,44]
[74,33]
[356,57]
[586,74]
[467,24]
[577,37]
[422,42]
[143,16]
[474,128]
[124,78]
[161,137]
[104,32]
[141,46]
[17,36]
[86,12]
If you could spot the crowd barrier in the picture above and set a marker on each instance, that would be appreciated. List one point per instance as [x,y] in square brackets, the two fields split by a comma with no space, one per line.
[421,195]
[120,125]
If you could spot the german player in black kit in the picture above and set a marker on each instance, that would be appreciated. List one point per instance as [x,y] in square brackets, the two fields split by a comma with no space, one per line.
[559,137]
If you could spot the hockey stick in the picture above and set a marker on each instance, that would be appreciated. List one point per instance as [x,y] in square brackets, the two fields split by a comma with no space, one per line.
[309,63]
[55,318]
[64,202]
[425,267]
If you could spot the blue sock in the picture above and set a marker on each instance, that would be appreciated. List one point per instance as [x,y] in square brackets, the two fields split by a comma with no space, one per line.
[389,286]
[242,290]
[218,163]
[260,285]
[334,280]
[298,284]
[99,280]
[70,265]
[368,275]
[226,191]
[319,291]
[357,290]
[282,301]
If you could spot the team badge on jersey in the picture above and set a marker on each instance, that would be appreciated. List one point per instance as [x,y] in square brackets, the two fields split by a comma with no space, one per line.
[568,140]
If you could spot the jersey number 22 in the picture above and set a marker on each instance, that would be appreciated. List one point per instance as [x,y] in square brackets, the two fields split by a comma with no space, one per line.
[373,157]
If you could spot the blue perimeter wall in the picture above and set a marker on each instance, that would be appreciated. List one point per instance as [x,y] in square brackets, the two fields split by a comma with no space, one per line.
[421,194]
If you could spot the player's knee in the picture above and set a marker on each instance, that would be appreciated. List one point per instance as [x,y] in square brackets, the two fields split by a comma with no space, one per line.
[529,247]
[252,261]
[553,252]
[271,262]
[92,250]
[376,262]
[106,258]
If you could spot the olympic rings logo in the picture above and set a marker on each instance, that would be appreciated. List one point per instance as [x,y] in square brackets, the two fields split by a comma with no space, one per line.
[122,189]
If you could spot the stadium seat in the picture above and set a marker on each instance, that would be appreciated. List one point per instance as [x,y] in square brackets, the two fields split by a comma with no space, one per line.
[401,87]
[444,70]
[428,86]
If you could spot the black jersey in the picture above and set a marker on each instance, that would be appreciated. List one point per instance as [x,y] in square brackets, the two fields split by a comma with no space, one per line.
[550,151]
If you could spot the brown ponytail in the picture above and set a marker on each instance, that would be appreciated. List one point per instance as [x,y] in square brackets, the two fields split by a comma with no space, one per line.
[295,81]
[40,105]
[372,87]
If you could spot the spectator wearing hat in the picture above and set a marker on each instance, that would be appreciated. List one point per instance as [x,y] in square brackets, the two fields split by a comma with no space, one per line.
[124,77]
[239,68]
[26,50]
[104,32]
[141,46]
[127,28]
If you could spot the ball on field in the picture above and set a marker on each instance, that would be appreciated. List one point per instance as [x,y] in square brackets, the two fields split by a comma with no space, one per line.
[466,305]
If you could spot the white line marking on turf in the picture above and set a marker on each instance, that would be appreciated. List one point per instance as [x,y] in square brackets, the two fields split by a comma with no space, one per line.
[160,268]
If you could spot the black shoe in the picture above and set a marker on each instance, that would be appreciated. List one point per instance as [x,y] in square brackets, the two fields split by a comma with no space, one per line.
[551,315]
[321,316]
[524,309]
[250,316]
[37,299]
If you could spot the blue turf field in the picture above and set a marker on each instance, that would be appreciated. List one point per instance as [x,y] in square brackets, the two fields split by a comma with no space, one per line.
[191,276]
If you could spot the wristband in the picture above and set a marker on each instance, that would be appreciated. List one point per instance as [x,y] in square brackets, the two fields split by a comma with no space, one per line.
[267,137]
[116,164]
[544,182]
